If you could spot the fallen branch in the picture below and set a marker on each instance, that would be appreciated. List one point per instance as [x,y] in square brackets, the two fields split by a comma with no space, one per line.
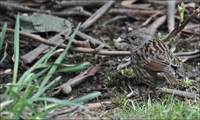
[132,12]
[183,56]
[66,88]
[157,23]
[76,49]
[32,55]
[180,93]
[89,3]
[177,29]
[91,39]
[170,15]
[97,15]
[6,6]
[150,18]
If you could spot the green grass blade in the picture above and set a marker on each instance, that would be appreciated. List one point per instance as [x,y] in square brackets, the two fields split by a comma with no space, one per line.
[86,97]
[38,63]
[3,35]
[58,61]
[39,74]
[16,50]
[41,91]
[74,68]
[3,58]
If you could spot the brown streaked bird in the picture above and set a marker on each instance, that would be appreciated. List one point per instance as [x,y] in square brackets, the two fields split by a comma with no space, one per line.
[151,59]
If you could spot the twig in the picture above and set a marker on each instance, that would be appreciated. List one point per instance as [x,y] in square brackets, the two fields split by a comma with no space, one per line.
[100,52]
[91,39]
[154,26]
[97,15]
[117,18]
[190,32]
[32,36]
[76,49]
[182,25]
[150,18]
[183,56]
[188,53]
[67,87]
[189,27]
[18,8]
[88,3]
[180,93]
[68,110]
[170,15]
[132,12]
[32,55]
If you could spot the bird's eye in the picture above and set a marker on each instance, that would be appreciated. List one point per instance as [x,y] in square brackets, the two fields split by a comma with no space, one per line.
[133,38]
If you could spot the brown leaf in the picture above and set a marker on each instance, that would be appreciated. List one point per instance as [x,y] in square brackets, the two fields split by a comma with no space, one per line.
[92,70]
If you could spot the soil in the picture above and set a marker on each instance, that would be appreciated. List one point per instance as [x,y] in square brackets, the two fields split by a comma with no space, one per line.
[108,80]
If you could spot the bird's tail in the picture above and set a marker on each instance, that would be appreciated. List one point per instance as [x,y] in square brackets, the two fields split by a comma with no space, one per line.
[170,78]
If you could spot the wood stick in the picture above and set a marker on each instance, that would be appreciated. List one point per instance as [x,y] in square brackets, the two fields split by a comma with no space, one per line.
[132,12]
[97,15]
[156,24]
[170,15]
[89,3]
[32,55]
[5,6]
[181,26]
[180,93]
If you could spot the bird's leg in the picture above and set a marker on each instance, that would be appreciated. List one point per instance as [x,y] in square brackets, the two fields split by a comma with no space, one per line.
[147,92]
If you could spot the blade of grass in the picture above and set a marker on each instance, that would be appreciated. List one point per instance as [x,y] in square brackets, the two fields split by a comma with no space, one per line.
[3,35]
[74,68]
[58,61]
[3,58]
[38,63]
[63,102]
[37,77]
[71,69]
[2,40]
[65,65]
[27,94]
[41,91]
[16,50]
[86,97]
[11,91]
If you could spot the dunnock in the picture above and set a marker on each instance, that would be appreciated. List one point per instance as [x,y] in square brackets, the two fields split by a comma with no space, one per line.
[151,59]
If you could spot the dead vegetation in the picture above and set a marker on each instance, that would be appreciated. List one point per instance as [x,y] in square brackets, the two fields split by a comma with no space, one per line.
[102,23]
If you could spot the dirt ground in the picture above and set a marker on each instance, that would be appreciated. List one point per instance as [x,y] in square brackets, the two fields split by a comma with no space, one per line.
[108,79]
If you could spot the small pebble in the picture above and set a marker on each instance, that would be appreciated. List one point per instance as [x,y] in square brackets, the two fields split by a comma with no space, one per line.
[67,89]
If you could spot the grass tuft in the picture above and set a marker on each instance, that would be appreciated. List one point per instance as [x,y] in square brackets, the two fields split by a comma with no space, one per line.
[25,98]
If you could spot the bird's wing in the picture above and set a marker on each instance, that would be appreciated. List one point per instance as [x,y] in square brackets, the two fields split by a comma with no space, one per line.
[156,65]
[164,68]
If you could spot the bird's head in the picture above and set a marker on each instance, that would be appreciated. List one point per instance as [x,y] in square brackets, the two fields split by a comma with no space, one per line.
[136,39]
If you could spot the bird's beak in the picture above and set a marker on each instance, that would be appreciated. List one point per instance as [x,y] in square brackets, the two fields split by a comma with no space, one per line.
[121,40]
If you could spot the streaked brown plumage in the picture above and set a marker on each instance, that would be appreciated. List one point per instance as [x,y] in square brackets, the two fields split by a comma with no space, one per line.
[151,59]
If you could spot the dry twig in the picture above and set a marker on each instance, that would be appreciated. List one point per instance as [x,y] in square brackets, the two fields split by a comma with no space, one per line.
[32,55]
[154,26]
[180,93]
[181,26]
[6,6]
[97,14]
[171,14]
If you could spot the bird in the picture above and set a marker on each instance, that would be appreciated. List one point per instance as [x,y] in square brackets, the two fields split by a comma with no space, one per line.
[151,59]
